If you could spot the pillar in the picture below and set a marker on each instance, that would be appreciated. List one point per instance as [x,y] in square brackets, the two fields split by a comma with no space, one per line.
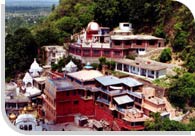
[129,69]
[116,66]
[139,71]
[154,74]
[147,73]
[122,67]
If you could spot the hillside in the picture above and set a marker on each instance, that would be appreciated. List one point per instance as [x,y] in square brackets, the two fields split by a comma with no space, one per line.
[167,19]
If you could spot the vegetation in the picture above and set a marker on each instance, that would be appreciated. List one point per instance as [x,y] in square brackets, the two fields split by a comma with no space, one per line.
[109,64]
[183,89]
[164,124]
[146,16]
[62,62]
[20,51]
[165,55]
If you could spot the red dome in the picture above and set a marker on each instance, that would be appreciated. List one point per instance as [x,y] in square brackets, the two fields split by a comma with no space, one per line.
[93,26]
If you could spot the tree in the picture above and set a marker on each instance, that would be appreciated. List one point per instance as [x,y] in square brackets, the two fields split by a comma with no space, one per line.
[47,35]
[163,124]
[183,89]
[190,60]
[53,7]
[165,55]
[20,51]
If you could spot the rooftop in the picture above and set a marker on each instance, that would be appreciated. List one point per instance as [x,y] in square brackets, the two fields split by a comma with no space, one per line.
[134,37]
[150,65]
[123,99]
[53,47]
[155,100]
[112,80]
[108,80]
[131,82]
[85,75]
[61,84]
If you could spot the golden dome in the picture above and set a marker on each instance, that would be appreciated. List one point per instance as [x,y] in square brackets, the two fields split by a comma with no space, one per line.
[24,109]
[12,116]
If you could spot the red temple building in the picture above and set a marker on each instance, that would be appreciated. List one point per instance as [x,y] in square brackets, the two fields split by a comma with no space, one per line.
[98,41]
[119,101]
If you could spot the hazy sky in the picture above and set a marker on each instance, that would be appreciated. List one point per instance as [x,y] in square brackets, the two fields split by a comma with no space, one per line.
[30,2]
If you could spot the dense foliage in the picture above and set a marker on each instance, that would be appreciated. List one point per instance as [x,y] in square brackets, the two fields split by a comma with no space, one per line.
[164,124]
[165,55]
[182,92]
[20,50]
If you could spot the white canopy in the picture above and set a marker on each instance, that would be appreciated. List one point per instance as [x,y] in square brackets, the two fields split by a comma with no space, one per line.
[70,67]
[27,79]
[35,69]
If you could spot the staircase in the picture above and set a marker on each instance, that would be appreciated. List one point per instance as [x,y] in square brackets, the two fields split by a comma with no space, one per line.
[169,108]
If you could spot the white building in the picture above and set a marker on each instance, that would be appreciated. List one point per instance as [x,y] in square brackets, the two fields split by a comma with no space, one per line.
[148,69]
[52,54]
[27,122]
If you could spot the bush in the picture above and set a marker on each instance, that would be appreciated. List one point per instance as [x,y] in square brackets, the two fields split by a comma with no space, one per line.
[165,55]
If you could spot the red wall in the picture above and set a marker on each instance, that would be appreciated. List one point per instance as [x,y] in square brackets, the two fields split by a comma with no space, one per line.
[66,109]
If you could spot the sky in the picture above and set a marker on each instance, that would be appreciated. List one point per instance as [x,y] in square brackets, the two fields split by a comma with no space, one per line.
[30,2]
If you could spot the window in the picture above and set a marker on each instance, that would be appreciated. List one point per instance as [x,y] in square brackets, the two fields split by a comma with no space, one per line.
[127,42]
[75,102]
[152,72]
[127,25]
[25,127]
[21,127]
[117,42]
[126,68]
[119,66]
[152,42]
[117,53]
[67,93]
[96,52]
[106,52]
[139,42]
[74,92]
[30,127]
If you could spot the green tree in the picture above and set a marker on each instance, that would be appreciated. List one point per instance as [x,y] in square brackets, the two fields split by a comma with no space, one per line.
[163,124]
[183,89]
[20,51]
[165,55]
[190,60]
[47,36]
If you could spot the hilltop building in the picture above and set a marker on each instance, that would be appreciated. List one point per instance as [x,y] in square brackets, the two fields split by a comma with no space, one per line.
[98,41]
[53,53]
